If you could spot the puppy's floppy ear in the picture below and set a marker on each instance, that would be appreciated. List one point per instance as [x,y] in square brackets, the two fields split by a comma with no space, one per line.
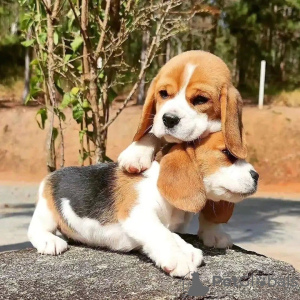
[218,212]
[148,113]
[179,181]
[232,126]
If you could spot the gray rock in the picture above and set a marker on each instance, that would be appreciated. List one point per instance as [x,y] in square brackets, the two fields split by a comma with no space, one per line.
[84,273]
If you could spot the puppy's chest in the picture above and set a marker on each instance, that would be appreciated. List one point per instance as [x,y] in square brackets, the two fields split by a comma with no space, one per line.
[151,200]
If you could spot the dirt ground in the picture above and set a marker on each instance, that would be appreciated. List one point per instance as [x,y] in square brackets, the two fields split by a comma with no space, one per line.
[273,136]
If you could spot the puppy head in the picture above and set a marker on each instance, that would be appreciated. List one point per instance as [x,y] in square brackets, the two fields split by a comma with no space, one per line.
[189,97]
[191,173]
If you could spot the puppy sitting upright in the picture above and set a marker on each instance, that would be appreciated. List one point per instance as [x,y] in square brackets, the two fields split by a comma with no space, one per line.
[187,100]
[101,205]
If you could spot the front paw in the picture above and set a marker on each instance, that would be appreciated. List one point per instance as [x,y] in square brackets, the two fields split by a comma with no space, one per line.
[179,264]
[195,254]
[179,261]
[215,237]
[136,158]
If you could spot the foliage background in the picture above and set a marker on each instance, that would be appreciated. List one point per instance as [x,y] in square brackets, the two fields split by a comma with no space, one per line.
[241,32]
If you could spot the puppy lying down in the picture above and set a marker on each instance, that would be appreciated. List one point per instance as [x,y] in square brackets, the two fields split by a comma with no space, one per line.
[102,206]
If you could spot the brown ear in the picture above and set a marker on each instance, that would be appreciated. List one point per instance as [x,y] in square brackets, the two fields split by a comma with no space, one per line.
[218,212]
[148,113]
[179,181]
[232,126]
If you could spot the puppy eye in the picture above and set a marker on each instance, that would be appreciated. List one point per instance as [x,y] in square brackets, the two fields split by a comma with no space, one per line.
[229,155]
[199,100]
[163,94]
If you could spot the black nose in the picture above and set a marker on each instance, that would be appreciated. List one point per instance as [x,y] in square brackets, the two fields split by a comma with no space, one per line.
[170,120]
[254,175]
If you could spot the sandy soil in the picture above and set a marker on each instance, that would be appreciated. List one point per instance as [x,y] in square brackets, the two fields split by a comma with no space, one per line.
[273,136]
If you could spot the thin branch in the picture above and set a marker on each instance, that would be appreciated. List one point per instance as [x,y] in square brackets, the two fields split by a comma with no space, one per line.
[62,144]
[104,24]
[48,10]
[83,32]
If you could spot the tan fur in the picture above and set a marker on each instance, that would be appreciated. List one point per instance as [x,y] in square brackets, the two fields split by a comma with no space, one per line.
[209,156]
[210,79]
[218,212]
[62,226]
[179,181]
[125,193]
[182,171]
[148,113]
[232,126]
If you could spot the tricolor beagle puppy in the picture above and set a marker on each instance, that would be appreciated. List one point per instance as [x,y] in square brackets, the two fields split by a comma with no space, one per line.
[103,206]
[189,98]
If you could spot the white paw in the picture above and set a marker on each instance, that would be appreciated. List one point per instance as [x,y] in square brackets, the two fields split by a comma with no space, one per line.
[179,264]
[195,254]
[215,237]
[178,258]
[137,157]
[52,245]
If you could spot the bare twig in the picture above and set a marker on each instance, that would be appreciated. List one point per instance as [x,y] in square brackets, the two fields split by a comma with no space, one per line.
[103,29]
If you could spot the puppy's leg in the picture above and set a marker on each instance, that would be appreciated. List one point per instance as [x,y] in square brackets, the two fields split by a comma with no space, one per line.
[160,244]
[138,156]
[43,227]
[194,253]
[212,234]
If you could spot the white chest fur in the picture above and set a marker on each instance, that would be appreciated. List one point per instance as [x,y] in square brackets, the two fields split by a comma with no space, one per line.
[150,200]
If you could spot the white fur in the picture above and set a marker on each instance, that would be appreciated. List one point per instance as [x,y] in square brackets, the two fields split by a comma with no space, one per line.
[192,123]
[212,234]
[139,155]
[231,183]
[91,232]
[150,222]
[42,228]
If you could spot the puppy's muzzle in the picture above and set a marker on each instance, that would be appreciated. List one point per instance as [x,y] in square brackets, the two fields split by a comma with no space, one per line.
[255,176]
[170,120]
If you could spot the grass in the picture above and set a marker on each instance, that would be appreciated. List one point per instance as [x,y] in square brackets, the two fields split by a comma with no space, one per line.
[12,92]
[287,98]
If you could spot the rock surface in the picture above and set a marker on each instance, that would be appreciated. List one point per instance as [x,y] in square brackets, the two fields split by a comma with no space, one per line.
[84,273]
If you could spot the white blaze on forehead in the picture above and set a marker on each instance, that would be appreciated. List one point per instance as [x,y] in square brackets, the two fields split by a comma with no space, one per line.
[188,73]
[192,123]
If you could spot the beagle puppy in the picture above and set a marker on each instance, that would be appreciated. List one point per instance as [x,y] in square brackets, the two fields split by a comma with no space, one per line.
[189,98]
[103,206]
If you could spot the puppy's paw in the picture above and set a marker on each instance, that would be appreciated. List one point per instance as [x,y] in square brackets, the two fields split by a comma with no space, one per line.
[137,157]
[177,259]
[179,264]
[195,254]
[215,237]
[52,245]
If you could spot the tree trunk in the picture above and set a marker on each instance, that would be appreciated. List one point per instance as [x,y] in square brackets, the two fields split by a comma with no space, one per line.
[27,72]
[240,61]
[214,32]
[141,88]
[51,155]
[168,50]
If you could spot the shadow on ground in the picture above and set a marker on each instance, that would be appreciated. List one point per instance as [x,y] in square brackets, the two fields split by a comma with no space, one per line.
[256,221]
